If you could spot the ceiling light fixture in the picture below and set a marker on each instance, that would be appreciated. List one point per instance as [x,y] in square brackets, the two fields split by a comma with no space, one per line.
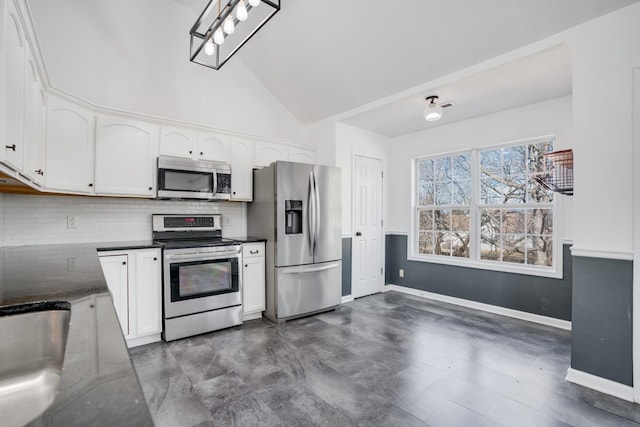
[433,111]
[229,25]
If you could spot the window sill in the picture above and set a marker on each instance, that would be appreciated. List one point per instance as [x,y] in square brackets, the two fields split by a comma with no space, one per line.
[488,265]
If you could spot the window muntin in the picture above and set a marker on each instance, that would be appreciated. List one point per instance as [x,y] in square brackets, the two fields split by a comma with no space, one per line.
[485,206]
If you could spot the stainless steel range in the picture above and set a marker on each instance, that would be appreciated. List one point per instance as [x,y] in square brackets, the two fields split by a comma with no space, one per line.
[201,275]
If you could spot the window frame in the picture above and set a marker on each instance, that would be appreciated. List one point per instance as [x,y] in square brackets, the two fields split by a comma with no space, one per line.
[475,206]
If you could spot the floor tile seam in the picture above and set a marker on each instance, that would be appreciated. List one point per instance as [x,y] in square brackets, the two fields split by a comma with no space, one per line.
[464,407]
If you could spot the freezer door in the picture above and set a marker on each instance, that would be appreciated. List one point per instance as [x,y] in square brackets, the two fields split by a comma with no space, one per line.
[293,184]
[329,214]
[307,289]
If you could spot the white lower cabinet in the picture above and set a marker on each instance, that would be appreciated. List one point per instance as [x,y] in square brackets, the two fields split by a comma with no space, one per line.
[253,280]
[134,280]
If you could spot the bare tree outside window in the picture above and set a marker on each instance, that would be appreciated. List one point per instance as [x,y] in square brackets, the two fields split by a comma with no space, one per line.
[513,215]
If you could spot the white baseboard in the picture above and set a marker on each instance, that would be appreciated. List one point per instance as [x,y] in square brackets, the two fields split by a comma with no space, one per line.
[600,384]
[147,339]
[251,316]
[517,314]
[346,299]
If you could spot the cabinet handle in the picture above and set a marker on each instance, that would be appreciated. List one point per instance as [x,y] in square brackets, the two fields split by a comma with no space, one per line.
[90,185]
[155,258]
[201,153]
[124,263]
[11,147]
[190,152]
[40,172]
[150,188]
[254,252]
[246,265]
[234,192]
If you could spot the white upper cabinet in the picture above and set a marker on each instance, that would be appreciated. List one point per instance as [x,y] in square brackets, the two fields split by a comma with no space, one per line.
[125,157]
[241,169]
[34,122]
[269,152]
[215,147]
[69,147]
[178,142]
[302,155]
[13,48]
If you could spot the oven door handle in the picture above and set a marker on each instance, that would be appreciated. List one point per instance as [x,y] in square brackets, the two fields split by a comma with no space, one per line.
[202,256]
[310,269]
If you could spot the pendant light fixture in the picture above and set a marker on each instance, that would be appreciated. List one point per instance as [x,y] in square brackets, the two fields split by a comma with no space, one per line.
[224,26]
[433,111]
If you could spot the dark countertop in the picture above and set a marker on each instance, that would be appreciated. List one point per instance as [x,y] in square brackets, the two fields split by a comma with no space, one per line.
[247,239]
[99,385]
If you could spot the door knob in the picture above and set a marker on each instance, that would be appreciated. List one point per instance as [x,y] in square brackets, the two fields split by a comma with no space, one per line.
[358,233]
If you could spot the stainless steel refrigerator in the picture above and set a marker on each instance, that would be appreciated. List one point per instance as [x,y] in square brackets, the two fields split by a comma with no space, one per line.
[297,208]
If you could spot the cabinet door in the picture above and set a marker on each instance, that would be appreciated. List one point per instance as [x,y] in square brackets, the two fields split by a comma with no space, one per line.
[40,135]
[302,155]
[253,279]
[269,152]
[214,147]
[115,269]
[69,147]
[241,169]
[12,85]
[148,291]
[178,142]
[125,157]
[30,133]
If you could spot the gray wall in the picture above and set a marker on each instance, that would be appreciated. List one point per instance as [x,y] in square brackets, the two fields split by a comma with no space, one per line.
[532,294]
[602,336]
[346,266]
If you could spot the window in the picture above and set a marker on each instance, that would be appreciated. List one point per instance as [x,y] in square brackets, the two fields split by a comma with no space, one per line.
[484,208]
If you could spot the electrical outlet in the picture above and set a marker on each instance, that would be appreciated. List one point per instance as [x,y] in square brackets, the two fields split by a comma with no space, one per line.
[401,272]
[72,264]
[72,221]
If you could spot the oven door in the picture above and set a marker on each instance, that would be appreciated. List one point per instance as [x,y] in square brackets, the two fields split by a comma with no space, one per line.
[200,281]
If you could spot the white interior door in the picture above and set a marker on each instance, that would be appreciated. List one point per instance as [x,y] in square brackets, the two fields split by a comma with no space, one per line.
[367,274]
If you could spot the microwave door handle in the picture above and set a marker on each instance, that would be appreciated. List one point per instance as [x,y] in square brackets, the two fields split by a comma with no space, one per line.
[215,183]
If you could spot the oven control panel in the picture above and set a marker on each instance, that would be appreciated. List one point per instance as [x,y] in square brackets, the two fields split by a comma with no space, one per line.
[186,222]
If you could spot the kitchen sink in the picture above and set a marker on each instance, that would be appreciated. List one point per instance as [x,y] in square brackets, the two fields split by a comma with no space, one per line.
[33,338]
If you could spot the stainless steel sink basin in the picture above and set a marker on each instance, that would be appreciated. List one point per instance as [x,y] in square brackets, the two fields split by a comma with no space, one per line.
[33,338]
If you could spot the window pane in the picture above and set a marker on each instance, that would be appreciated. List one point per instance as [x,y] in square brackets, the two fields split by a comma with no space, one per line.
[490,247]
[425,170]
[540,221]
[425,244]
[490,163]
[540,251]
[460,244]
[514,160]
[491,191]
[513,248]
[443,169]
[460,220]
[537,193]
[462,167]
[462,192]
[425,194]
[513,221]
[515,188]
[490,220]
[426,219]
[536,161]
[443,193]
[442,219]
[442,244]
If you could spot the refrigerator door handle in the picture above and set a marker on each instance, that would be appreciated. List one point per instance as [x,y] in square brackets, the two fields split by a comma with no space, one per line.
[317,215]
[310,270]
[311,216]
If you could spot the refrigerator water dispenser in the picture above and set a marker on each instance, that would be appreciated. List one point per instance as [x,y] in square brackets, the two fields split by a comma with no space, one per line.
[293,216]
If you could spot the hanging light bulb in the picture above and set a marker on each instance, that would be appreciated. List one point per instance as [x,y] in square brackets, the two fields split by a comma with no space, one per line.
[218,36]
[254,3]
[228,26]
[209,47]
[433,111]
[241,11]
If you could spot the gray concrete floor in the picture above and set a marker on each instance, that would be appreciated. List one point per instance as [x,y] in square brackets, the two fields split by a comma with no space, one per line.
[384,360]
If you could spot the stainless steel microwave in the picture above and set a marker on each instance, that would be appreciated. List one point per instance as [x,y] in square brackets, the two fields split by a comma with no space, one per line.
[193,179]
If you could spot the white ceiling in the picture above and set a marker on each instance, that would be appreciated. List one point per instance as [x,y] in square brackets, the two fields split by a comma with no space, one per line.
[324,58]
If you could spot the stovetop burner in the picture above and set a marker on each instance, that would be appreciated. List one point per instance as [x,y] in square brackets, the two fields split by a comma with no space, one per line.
[189,231]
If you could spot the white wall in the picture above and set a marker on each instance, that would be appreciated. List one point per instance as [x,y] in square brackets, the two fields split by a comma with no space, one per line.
[322,135]
[32,220]
[1,219]
[351,141]
[134,56]
[605,51]
[546,118]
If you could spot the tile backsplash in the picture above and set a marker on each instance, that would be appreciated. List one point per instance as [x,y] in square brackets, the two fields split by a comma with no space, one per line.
[34,220]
